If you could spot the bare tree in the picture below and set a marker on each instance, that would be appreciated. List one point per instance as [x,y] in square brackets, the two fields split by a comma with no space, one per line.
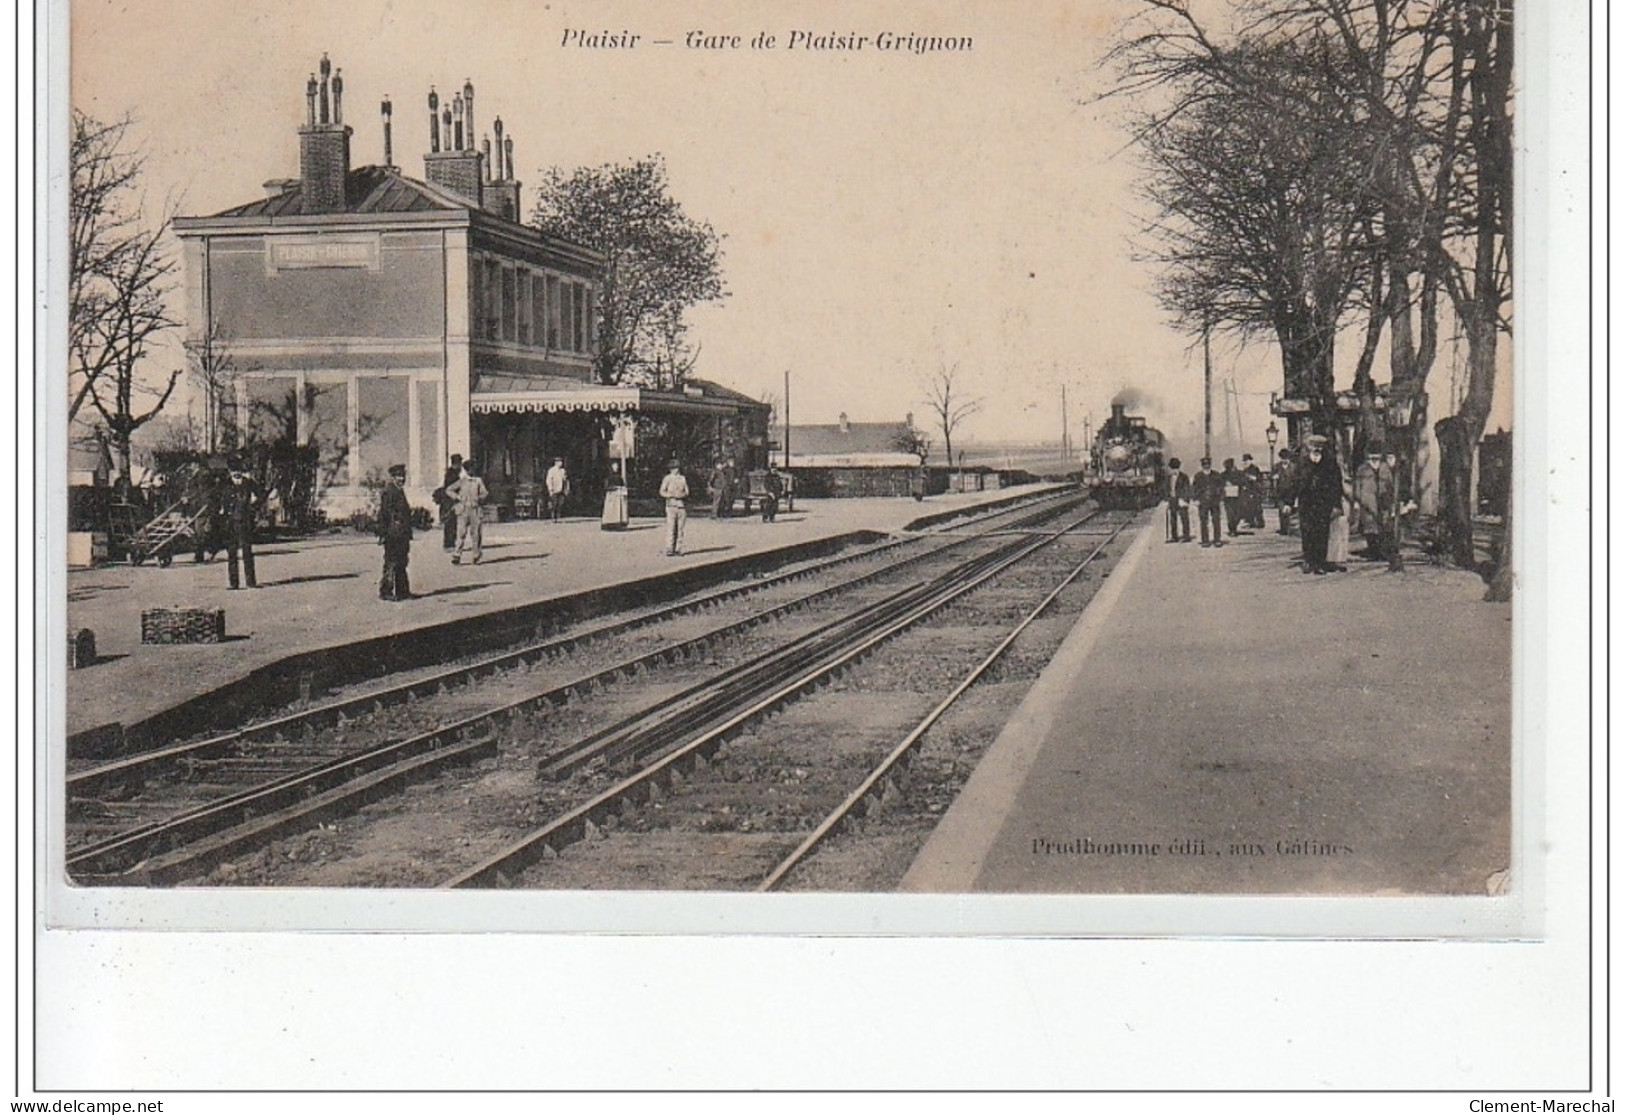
[216,372]
[1419,91]
[946,396]
[1254,165]
[119,276]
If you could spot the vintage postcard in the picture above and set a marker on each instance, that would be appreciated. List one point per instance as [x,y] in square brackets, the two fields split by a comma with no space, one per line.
[651,452]
[1076,468]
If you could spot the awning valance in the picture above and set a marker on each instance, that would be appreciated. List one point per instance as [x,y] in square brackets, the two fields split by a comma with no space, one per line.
[582,399]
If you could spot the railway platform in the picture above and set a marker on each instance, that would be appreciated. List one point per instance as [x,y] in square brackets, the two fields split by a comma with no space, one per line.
[1221,723]
[317,601]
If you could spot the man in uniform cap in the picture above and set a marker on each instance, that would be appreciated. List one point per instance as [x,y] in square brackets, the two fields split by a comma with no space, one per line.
[395,535]
[240,501]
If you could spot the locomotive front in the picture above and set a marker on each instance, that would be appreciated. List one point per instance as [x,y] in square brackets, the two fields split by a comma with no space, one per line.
[1128,456]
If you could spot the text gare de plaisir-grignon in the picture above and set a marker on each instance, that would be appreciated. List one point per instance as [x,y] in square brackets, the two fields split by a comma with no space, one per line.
[884,41]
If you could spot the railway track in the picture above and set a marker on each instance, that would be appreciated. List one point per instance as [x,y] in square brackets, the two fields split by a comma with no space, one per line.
[170,813]
[666,745]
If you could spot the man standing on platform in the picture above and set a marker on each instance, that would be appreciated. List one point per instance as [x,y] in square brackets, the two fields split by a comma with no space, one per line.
[1286,489]
[1252,493]
[674,490]
[240,504]
[469,494]
[1179,502]
[1320,499]
[448,506]
[558,489]
[717,488]
[395,535]
[1230,479]
[1208,489]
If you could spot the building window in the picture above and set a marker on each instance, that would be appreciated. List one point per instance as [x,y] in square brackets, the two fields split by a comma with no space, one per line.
[586,341]
[493,300]
[579,312]
[429,459]
[327,425]
[510,319]
[383,424]
[538,308]
[552,312]
[523,306]
[270,410]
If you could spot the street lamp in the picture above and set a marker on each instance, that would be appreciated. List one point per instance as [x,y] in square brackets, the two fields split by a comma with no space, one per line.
[1271,433]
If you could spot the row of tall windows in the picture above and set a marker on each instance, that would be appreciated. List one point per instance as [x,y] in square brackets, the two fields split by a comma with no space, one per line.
[521,306]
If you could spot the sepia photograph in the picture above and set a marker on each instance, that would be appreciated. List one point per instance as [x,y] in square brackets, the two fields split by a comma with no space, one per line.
[513,451]
[634,524]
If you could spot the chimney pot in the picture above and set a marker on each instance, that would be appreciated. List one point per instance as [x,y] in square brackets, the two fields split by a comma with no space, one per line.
[846,427]
[386,110]
[338,96]
[326,70]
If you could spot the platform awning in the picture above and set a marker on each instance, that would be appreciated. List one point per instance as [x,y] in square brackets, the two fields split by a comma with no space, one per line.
[579,399]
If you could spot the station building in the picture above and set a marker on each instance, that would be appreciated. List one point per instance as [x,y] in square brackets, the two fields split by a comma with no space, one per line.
[381,319]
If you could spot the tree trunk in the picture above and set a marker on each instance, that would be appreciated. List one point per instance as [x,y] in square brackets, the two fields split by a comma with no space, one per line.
[1458,439]
[1306,365]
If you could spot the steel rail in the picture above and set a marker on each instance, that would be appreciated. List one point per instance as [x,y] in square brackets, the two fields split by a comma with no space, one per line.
[111,775]
[633,790]
[880,778]
[115,853]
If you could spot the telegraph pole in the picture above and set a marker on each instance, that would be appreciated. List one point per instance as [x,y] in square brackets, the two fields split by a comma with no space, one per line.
[1066,445]
[787,420]
[1207,395]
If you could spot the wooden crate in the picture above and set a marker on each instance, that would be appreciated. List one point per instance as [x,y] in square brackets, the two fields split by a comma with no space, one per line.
[183,625]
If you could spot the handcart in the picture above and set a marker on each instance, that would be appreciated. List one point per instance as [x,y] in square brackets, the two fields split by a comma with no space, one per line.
[176,528]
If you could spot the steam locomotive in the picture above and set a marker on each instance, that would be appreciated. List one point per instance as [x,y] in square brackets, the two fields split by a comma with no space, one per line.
[1126,462]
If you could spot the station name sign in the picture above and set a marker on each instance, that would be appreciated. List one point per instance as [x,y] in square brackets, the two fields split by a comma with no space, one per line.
[298,253]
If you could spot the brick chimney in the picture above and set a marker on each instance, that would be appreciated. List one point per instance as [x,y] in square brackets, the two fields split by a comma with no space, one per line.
[452,162]
[502,191]
[324,144]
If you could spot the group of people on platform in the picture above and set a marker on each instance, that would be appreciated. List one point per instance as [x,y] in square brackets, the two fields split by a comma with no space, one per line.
[1315,497]
[1236,492]
[462,496]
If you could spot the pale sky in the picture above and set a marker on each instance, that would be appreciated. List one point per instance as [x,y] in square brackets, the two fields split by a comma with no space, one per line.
[885,213]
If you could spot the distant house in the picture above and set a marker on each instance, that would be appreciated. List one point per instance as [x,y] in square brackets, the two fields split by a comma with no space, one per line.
[853,458]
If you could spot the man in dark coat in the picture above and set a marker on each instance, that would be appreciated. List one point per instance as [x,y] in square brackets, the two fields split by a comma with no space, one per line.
[772,492]
[447,505]
[1252,493]
[1178,492]
[1320,499]
[240,501]
[1208,489]
[395,534]
[1286,489]
[1230,480]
